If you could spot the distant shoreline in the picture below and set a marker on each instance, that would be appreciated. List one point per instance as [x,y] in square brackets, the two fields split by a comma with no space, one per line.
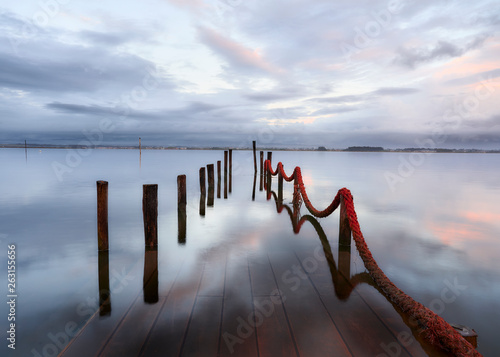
[320,149]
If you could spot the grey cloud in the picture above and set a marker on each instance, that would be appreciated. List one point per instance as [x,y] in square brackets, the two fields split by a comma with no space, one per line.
[494,73]
[346,99]
[411,57]
[335,110]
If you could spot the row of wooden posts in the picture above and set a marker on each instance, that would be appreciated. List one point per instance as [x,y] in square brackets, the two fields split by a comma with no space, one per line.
[150,202]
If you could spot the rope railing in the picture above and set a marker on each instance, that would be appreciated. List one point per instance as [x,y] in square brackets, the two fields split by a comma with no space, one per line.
[433,328]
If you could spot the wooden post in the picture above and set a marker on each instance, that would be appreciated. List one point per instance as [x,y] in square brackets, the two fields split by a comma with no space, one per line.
[210,198]
[104,291]
[230,170]
[344,228]
[210,171]
[203,188]
[280,189]
[254,144]
[150,214]
[102,215]
[225,174]
[262,163]
[181,192]
[181,209]
[150,277]
[218,178]
[270,157]
[203,191]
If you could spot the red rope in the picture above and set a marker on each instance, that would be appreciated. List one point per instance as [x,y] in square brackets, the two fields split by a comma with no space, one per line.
[434,328]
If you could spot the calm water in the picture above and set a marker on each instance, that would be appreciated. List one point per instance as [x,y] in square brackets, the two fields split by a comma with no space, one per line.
[431,224]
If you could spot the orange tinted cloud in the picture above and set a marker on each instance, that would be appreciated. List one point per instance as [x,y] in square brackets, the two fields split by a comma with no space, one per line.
[234,52]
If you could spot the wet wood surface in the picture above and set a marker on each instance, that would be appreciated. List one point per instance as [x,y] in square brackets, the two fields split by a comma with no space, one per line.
[281,303]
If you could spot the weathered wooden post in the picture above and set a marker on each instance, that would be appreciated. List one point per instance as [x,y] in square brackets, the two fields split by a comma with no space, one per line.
[270,157]
[210,199]
[203,188]
[150,278]
[230,170]
[150,214]
[225,174]
[203,191]
[218,178]
[344,242]
[104,291]
[344,228]
[262,163]
[280,189]
[102,215]
[254,144]
[181,209]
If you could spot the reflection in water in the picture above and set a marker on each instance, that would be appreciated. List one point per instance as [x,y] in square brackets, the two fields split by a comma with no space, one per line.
[254,185]
[104,292]
[342,281]
[202,203]
[150,280]
[181,224]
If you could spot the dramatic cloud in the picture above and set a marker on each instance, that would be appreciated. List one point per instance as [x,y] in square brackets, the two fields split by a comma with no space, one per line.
[219,72]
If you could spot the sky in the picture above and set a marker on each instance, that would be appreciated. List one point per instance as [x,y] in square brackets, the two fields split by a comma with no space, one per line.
[295,73]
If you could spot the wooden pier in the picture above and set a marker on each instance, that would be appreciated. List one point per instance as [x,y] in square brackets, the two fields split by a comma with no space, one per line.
[283,299]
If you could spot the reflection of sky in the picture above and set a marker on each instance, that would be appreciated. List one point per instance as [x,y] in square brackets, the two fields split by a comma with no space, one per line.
[442,223]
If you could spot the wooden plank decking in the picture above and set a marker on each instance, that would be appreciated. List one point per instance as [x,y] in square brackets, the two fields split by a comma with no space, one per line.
[246,305]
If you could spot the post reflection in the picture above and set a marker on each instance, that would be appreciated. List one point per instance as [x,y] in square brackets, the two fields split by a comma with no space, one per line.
[104,292]
[343,282]
[181,224]
[254,186]
[150,279]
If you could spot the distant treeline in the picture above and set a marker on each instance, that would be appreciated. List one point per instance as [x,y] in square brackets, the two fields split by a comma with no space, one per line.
[364,148]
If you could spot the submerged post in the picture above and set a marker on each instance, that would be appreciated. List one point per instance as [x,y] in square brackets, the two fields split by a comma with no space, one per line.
[262,163]
[230,170]
[218,178]
[102,215]
[210,172]
[210,198]
[203,188]
[203,191]
[344,228]
[280,189]
[225,174]
[254,144]
[150,214]
[181,192]
[181,209]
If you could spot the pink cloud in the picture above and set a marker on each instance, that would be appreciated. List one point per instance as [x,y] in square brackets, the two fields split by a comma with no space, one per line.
[235,53]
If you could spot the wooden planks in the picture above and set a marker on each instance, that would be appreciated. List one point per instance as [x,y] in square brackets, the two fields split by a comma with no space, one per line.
[315,333]
[167,334]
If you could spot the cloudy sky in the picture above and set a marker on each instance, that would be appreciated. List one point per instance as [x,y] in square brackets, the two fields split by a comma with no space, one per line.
[298,73]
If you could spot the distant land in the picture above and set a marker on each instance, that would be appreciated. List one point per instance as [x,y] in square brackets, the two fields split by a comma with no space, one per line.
[320,148]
